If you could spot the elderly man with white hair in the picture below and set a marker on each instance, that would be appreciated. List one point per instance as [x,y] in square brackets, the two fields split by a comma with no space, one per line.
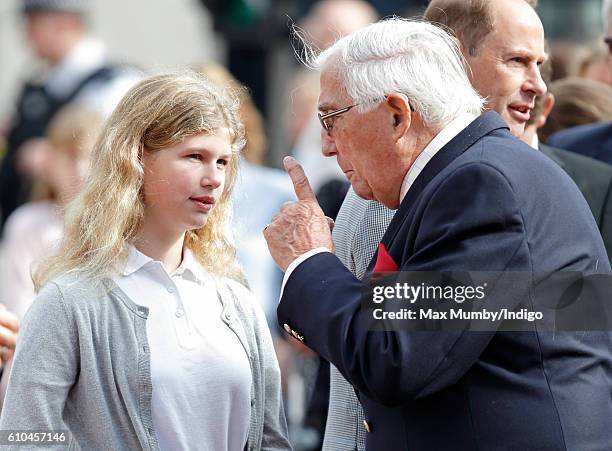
[399,113]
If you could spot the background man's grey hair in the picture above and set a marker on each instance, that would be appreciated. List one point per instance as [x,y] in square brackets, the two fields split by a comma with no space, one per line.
[414,58]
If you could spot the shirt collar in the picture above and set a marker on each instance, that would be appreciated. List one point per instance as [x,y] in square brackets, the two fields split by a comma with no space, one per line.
[452,129]
[135,261]
[189,268]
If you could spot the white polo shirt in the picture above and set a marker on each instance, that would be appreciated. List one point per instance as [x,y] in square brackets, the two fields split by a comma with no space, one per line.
[200,372]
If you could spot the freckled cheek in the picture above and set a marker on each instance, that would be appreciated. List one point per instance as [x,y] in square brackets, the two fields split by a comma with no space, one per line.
[166,193]
[221,189]
[222,179]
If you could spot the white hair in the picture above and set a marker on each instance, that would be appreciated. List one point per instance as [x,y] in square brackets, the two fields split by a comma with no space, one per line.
[606,12]
[411,57]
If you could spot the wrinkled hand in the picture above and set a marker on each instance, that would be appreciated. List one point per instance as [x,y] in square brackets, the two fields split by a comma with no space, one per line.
[299,226]
[9,326]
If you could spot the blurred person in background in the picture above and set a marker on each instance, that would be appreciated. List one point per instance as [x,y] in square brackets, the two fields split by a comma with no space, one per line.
[577,101]
[567,58]
[593,140]
[570,59]
[303,93]
[35,228]
[504,64]
[597,68]
[74,67]
[142,335]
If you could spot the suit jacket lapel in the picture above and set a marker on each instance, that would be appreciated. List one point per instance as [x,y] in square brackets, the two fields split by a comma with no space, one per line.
[481,126]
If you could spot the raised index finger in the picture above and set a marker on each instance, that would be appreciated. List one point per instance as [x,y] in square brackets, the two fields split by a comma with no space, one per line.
[301,185]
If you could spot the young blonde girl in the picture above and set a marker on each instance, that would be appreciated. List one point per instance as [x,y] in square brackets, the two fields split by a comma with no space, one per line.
[142,335]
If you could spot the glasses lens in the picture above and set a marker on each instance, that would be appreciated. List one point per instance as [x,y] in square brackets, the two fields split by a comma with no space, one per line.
[323,122]
[328,124]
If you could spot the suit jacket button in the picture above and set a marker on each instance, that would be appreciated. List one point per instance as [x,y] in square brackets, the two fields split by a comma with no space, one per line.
[367,426]
[287,328]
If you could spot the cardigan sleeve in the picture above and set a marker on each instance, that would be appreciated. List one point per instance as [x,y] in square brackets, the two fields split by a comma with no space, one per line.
[44,367]
[275,433]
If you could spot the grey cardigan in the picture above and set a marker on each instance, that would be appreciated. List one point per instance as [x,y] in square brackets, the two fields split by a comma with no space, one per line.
[82,364]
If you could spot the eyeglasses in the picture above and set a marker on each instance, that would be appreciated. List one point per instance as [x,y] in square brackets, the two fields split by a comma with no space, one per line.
[325,119]
[328,124]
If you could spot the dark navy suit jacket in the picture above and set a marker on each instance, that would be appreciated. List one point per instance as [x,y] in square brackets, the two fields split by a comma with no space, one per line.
[594,180]
[486,201]
[592,140]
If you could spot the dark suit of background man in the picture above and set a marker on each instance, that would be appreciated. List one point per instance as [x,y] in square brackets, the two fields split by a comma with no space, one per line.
[402,119]
[593,178]
[591,140]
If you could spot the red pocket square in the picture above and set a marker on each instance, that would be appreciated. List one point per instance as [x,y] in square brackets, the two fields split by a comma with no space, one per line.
[384,261]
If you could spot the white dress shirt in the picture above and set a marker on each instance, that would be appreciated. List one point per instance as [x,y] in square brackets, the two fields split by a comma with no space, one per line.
[452,129]
[200,372]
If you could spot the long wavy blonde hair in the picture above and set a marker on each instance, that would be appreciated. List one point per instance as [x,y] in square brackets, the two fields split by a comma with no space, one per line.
[156,113]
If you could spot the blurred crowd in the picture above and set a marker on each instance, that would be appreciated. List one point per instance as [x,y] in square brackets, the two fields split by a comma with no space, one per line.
[74,85]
